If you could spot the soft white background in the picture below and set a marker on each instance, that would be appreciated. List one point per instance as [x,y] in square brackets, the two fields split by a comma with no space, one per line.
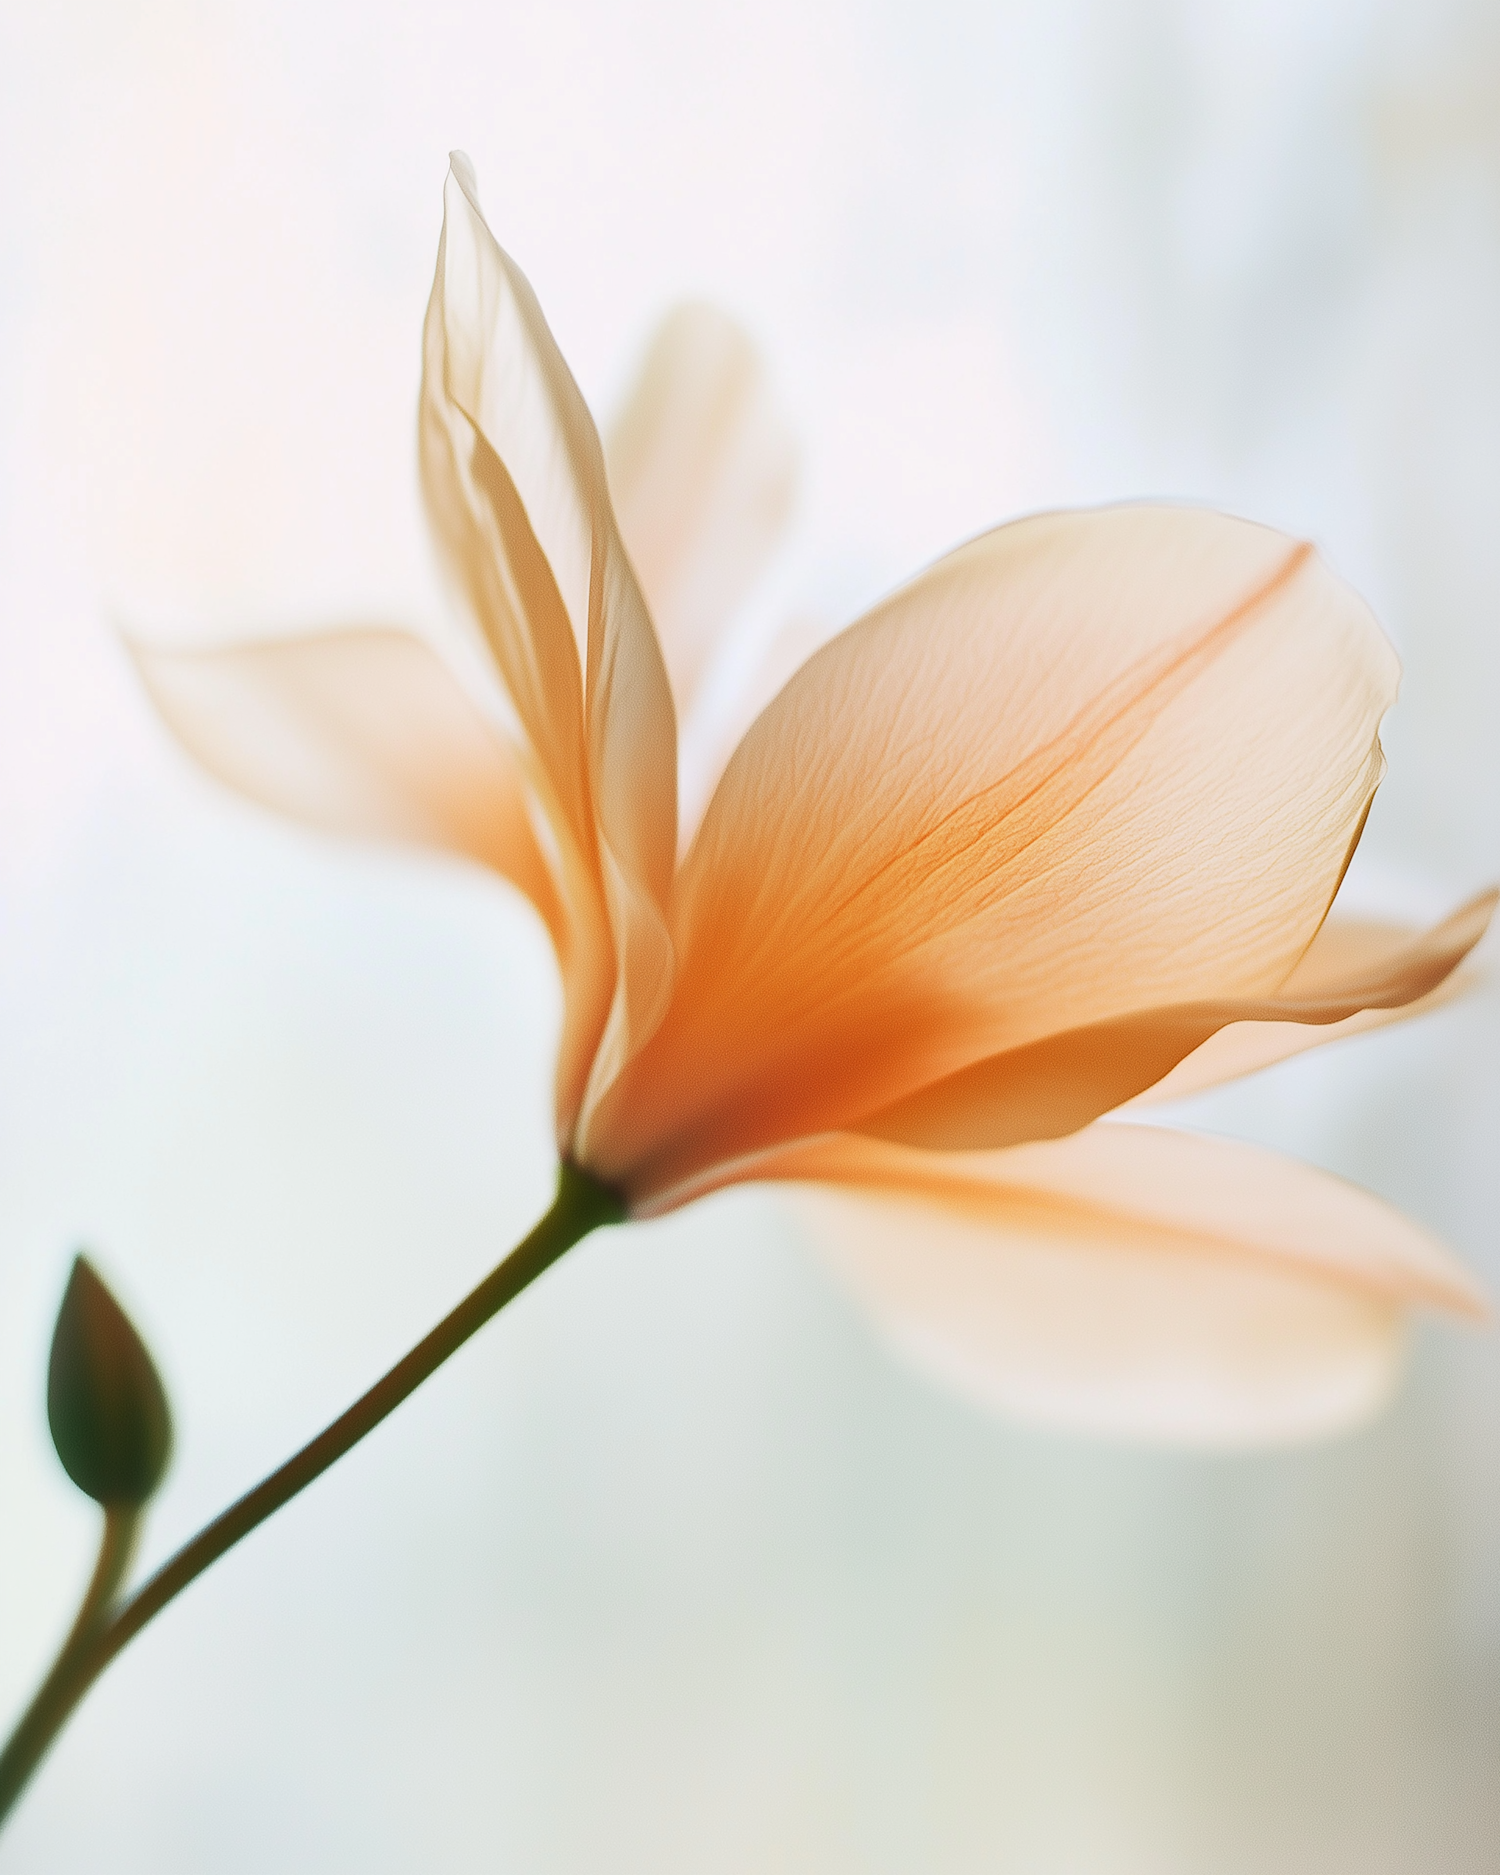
[672,1570]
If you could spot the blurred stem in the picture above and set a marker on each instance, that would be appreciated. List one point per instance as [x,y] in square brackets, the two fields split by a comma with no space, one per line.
[102,1630]
[56,1696]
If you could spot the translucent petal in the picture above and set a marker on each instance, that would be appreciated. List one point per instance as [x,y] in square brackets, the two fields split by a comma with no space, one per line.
[357,732]
[702,469]
[1055,1086]
[1246,1047]
[1088,764]
[514,478]
[1130,1281]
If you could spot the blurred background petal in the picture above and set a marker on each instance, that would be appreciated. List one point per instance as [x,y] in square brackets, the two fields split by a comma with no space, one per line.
[674,1570]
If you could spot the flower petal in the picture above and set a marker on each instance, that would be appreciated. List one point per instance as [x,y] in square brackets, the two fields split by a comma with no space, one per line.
[480,520]
[1057,1085]
[514,478]
[359,732]
[1131,1281]
[702,470]
[1246,1047]
[1088,764]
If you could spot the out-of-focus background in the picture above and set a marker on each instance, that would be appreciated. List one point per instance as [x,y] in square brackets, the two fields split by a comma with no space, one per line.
[673,1570]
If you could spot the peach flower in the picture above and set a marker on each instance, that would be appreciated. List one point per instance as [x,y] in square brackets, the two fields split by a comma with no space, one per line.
[1056,824]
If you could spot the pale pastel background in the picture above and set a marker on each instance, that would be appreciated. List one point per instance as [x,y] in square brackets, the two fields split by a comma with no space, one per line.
[672,1570]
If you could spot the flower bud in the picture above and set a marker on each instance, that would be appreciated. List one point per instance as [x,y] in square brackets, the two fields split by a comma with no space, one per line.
[105,1402]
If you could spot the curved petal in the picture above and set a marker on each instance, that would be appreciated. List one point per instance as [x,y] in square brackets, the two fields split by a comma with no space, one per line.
[702,470]
[1057,1085]
[481,524]
[1131,1281]
[363,733]
[1246,1047]
[1086,765]
[515,484]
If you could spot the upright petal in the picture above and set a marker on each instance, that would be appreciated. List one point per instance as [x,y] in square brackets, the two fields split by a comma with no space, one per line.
[515,483]
[482,526]
[703,470]
[1086,765]
[1359,976]
[1131,1281]
[357,732]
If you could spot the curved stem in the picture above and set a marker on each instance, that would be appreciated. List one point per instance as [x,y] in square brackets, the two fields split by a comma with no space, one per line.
[55,1698]
[122,1524]
[582,1205]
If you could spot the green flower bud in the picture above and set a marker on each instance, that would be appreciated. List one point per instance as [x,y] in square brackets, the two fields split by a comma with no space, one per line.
[105,1402]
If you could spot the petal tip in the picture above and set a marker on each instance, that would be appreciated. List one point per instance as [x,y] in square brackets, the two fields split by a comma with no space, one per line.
[1463,1296]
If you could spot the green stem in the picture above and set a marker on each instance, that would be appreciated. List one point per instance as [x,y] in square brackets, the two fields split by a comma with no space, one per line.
[582,1205]
[55,1697]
